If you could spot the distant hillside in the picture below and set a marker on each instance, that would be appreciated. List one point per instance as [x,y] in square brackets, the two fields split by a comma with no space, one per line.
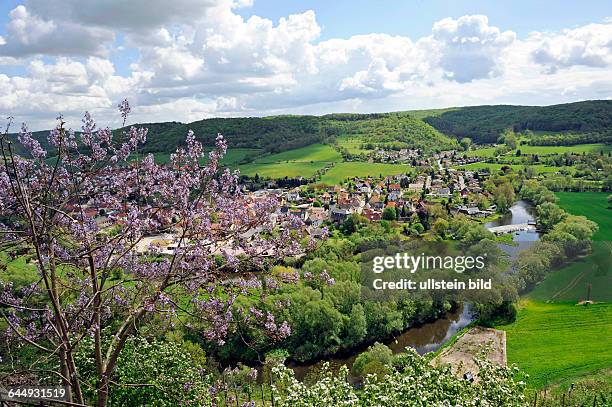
[275,134]
[484,123]
[426,129]
[388,127]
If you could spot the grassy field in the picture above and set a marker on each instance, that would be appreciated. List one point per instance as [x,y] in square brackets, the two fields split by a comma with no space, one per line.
[282,170]
[311,153]
[555,342]
[571,282]
[545,150]
[352,144]
[18,270]
[231,158]
[303,162]
[593,205]
[342,171]
[496,167]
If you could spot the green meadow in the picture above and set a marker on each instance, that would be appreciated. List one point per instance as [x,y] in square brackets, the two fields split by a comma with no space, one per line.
[489,152]
[311,153]
[230,159]
[553,339]
[555,342]
[593,205]
[539,168]
[281,170]
[571,283]
[305,162]
[344,170]
[352,144]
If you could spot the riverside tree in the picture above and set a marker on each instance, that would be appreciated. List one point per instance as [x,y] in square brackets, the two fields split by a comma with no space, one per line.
[101,279]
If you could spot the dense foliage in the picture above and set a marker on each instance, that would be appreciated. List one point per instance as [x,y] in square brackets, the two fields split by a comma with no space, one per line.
[484,123]
[411,381]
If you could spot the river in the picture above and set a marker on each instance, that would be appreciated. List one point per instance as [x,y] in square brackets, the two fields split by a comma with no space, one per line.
[431,336]
[520,212]
[424,338]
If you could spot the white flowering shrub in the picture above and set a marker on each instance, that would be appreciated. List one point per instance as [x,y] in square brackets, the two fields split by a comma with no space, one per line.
[411,382]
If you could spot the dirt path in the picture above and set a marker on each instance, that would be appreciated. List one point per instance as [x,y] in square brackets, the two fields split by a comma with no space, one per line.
[461,354]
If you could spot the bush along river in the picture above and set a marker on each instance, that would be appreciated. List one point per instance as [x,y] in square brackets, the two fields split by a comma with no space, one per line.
[425,338]
[429,337]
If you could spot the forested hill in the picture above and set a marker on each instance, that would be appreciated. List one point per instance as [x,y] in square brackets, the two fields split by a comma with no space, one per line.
[280,133]
[426,129]
[484,123]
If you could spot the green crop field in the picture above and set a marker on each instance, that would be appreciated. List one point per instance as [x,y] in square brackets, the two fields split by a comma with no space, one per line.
[577,149]
[281,170]
[305,162]
[571,282]
[230,159]
[342,171]
[488,152]
[593,205]
[539,168]
[311,153]
[554,342]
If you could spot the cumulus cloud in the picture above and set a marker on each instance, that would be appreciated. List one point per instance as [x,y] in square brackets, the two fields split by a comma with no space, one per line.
[590,45]
[29,34]
[468,48]
[199,58]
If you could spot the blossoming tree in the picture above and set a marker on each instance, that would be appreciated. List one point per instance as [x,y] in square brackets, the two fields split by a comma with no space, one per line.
[90,212]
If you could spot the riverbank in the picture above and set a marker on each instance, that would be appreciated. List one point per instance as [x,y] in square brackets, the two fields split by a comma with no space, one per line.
[425,338]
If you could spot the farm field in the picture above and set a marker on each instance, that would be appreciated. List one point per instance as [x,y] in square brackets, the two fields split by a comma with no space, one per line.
[343,170]
[496,167]
[593,205]
[571,282]
[281,170]
[313,152]
[231,158]
[555,342]
[305,162]
[545,150]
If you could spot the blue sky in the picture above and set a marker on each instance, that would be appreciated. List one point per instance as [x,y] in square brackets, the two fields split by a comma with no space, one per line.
[414,18]
[185,60]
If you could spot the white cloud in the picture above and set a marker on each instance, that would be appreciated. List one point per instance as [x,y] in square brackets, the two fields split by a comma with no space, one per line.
[197,59]
[468,48]
[29,34]
[590,45]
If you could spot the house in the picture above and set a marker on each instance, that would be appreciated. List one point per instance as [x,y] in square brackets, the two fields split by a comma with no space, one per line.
[293,196]
[339,215]
[316,215]
[371,214]
[395,188]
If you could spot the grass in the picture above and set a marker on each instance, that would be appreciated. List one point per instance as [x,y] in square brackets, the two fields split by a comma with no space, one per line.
[593,205]
[353,144]
[230,159]
[305,162]
[539,168]
[489,152]
[556,342]
[571,282]
[281,170]
[341,171]
[311,153]
[18,271]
